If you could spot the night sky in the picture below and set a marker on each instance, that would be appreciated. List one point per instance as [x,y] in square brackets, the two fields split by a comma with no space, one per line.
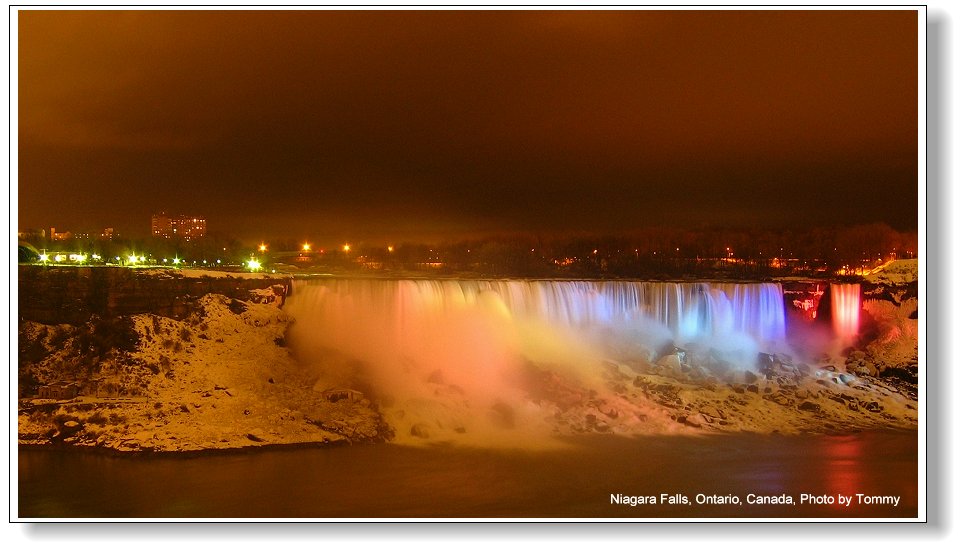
[439,125]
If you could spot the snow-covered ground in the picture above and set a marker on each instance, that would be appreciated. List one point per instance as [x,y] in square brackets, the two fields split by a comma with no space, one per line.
[195,273]
[222,379]
[895,272]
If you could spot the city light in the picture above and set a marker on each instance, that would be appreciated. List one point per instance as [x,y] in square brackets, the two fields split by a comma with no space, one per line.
[44,257]
[132,259]
[346,247]
[391,248]
[306,247]
[253,264]
[263,247]
[176,261]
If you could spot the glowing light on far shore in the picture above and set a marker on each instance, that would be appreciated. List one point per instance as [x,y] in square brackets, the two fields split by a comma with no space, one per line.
[44,257]
[391,248]
[132,259]
[346,247]
[176,261]
[263,247]
[253,264]
[306,247]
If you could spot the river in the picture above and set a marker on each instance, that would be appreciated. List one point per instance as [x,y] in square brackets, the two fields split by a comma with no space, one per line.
[575,481]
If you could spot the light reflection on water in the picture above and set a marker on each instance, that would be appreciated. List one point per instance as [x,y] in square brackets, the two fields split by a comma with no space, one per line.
[395,481]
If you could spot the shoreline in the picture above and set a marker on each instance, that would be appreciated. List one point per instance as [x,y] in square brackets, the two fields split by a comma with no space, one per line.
[95,450]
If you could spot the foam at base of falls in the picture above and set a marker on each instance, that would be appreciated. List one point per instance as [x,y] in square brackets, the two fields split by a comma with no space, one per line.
[504,357]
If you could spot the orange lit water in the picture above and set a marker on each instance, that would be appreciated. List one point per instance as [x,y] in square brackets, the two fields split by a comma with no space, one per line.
[394,481]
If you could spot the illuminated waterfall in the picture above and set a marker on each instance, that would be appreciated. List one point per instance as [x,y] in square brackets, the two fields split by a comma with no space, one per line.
[845,306]
[681,312]
[491,361]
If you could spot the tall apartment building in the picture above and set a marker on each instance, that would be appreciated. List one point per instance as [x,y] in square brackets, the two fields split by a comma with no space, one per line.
[184,227]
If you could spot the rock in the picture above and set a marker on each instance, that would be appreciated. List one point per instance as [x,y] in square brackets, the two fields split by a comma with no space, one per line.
[683,419]
[669,364]
[750,377]
[778,399]
[846,378]
[739,388]
[809,406]
[237,307]
[255,438]
[802,394]
[698,375]
[419,430]
[765,361]
[873,407]
[753,388]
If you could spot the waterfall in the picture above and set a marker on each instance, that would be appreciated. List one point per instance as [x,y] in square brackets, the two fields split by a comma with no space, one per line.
[845,305]
[496,361]
[402,310]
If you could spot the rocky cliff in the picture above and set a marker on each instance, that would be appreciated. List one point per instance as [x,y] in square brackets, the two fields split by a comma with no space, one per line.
[71,295]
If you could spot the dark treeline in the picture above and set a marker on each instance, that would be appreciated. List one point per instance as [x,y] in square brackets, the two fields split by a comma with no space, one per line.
[653,252]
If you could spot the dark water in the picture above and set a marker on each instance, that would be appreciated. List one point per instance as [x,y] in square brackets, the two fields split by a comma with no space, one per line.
[396,481]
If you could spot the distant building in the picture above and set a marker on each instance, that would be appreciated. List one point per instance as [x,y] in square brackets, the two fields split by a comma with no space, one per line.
[59,236]
[183,227]
[108,233]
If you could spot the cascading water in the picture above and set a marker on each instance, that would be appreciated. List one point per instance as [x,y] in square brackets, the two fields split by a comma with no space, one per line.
[845,299]
[687,311]
[434,352]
